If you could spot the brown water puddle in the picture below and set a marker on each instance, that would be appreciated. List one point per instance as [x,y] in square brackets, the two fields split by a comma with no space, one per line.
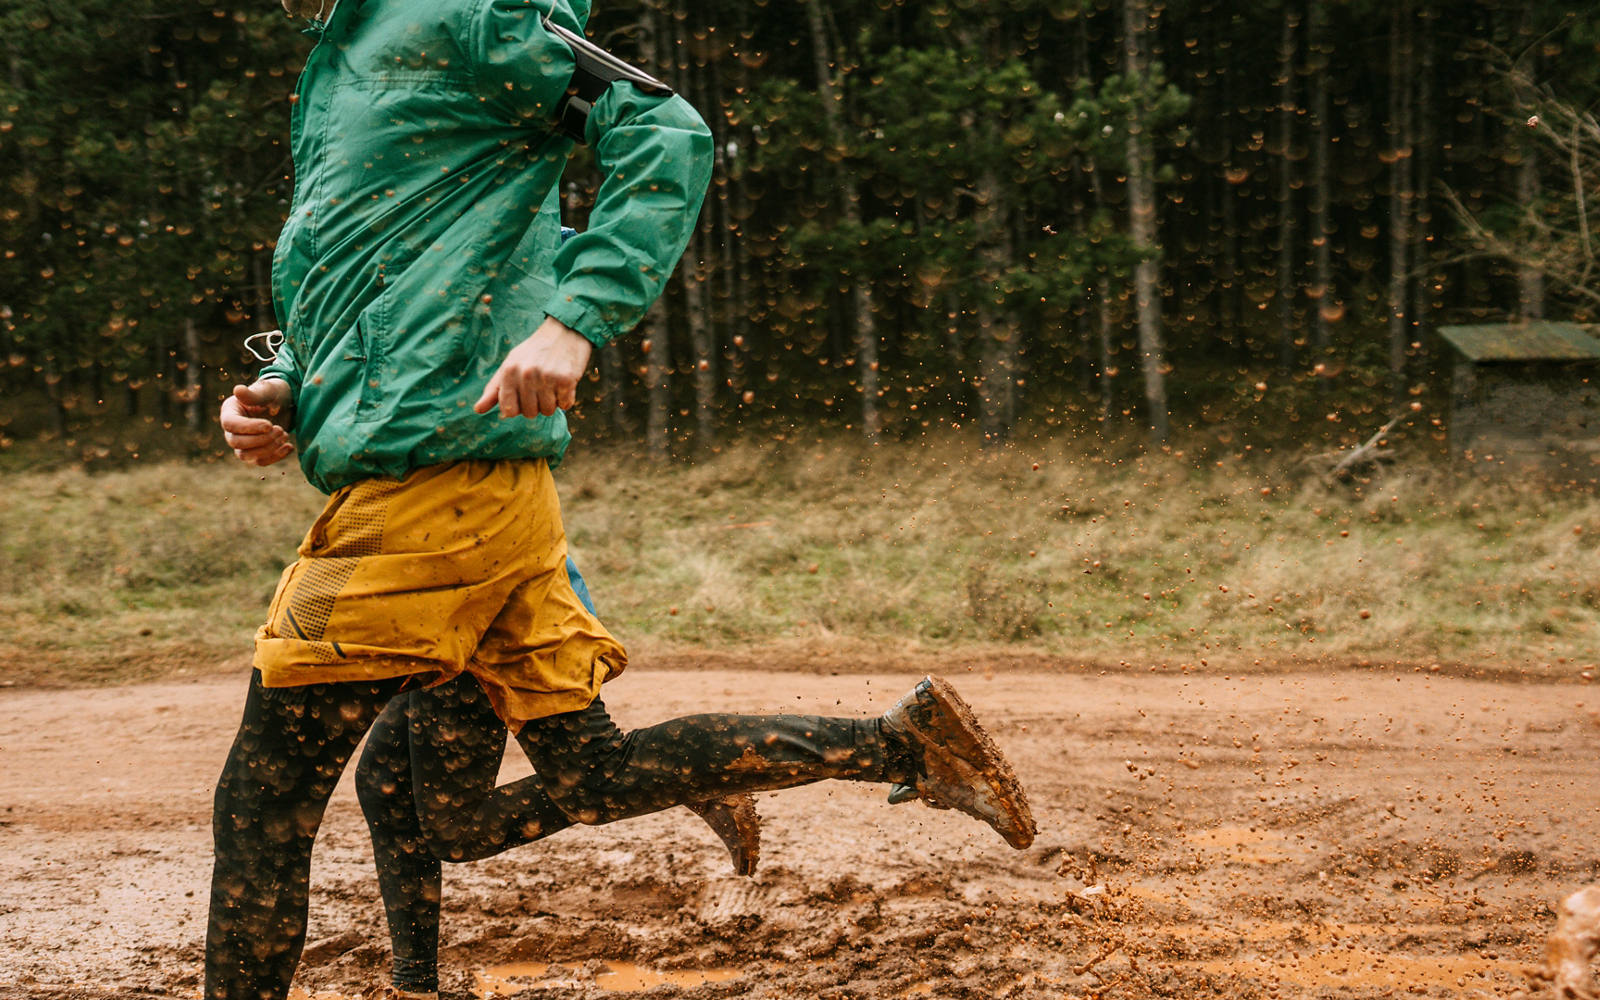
[504,980]
[622,977]
[1308,953]
[1363,967]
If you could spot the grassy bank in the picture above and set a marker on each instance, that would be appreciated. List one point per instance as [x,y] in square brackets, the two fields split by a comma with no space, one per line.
[1038,550]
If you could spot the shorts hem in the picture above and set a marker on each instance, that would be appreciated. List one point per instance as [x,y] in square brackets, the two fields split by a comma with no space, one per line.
[300,675]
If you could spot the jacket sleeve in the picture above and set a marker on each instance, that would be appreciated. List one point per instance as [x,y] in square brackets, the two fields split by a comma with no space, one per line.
[284,367]
[654,154]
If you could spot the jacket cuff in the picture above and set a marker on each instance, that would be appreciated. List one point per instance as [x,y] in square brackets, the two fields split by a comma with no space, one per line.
[584,319]
[282,374]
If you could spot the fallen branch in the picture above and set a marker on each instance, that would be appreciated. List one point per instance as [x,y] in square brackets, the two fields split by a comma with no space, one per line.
[1368,451]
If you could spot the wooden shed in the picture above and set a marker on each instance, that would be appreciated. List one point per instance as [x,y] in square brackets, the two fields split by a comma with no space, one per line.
[1524,396]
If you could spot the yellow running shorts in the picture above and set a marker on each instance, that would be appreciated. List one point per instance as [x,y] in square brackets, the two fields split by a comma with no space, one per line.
[457,567]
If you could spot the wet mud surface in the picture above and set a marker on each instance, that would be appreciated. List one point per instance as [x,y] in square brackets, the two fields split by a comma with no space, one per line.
[1329,834]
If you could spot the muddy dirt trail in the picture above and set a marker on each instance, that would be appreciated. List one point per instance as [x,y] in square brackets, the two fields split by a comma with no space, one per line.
[1339,834]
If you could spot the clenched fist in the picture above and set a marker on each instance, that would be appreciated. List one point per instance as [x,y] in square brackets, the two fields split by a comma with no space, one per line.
[255,421]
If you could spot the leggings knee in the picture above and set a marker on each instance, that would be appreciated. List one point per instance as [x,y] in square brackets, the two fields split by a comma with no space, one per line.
[379,790]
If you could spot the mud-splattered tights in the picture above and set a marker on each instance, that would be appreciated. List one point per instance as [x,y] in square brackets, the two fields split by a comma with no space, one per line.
[436,798]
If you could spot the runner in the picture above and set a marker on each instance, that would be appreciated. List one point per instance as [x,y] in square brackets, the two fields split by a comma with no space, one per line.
[423,287]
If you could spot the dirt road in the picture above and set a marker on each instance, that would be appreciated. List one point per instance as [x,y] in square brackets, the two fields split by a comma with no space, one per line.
[1342,834]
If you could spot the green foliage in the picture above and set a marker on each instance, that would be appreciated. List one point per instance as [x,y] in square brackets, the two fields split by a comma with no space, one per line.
[1102,116]
[144,174]
[145,148]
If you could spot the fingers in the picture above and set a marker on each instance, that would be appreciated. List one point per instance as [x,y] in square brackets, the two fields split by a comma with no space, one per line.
[236,418]
[258,399]
[267,439]
[540,375]
[526,393]
[255,444]
[264,455]
[549,398]
[510,399]
[491,394]
[247,427]
[253,440]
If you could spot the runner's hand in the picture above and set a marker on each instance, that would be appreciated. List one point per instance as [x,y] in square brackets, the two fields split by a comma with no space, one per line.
[255,421]
[540,375]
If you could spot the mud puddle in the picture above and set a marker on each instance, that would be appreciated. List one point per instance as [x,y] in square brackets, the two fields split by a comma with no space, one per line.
[512,978]
[504,980]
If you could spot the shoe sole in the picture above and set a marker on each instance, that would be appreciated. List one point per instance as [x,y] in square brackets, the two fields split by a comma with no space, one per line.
[960,744]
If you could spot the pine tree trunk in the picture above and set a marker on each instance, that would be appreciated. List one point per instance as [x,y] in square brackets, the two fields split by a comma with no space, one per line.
[1142,232]
[1530,280]
[193,382]
[955,323]
[702,343]
[1231,307]
[159,376]
[261,276]
[1400,70]
[997,338]
[1104,315]
[55,393]
[1423,145]
[1322,291]
[862,320]
[742,288]
[613,392]
[657,343]
[1097,344]
[658,377]
[1286,207]
[696,285]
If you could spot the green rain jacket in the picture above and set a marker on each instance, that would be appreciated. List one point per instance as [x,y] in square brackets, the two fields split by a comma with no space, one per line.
[424,239]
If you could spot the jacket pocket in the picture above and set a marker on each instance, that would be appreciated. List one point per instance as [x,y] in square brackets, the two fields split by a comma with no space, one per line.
[371,353]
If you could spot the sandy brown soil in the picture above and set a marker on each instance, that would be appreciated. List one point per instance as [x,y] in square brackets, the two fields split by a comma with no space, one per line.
[1332,834]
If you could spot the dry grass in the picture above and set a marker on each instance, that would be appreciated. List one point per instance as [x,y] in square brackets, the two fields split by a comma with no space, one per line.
[1149,561]
[146,571]
[1039,549]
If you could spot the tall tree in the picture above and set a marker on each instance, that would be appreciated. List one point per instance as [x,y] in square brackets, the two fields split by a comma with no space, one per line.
[1525,70]
[844,182]
[1286,185]
[1324,295]
[1401,204]
[1142,226]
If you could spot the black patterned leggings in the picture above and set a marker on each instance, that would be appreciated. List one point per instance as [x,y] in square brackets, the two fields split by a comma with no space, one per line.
[426,785]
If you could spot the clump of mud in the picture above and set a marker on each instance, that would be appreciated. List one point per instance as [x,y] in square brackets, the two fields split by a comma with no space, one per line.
[1570,953]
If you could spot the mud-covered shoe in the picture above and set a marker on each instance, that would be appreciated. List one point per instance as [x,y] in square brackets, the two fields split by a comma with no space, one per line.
[958,765]
[735,820]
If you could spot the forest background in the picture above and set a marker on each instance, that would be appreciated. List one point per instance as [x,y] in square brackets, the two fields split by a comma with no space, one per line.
[1116,218]
[1023,322]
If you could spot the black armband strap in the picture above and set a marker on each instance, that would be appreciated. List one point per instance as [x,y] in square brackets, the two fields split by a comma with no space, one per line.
[594,71]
